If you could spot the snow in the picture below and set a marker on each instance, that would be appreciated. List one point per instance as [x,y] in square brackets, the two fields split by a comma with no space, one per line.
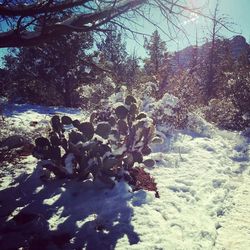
[202,175]
[161,109]
[26,119]
[199,125]
[197,181]
[69,164]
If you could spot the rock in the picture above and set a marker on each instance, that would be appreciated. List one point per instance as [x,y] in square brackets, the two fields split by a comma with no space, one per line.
[14,141]
[33,123]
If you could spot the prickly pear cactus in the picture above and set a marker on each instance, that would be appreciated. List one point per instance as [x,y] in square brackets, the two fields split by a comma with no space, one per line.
[105,147]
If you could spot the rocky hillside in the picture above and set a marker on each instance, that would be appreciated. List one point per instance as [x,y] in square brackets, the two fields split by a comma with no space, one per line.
[237,46]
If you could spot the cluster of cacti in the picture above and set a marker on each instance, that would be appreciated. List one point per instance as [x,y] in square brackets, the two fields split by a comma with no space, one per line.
[102,148]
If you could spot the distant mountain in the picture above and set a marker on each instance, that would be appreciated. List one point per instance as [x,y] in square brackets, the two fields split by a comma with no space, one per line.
[183,58]
[238,45]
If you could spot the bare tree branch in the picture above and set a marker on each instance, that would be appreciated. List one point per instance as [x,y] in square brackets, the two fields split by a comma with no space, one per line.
[44,20]
[81,22]
[39,8]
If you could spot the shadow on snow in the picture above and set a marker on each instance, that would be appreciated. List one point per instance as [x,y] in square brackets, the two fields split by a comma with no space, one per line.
[64,215]
[15,109]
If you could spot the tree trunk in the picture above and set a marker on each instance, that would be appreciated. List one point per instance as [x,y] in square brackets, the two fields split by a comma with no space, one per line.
[68,92]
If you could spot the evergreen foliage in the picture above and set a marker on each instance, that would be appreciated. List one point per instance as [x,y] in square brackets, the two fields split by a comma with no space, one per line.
[157,65]
[50,74]
[114,54]
[156,50]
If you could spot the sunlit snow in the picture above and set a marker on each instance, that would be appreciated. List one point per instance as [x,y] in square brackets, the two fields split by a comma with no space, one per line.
[203,178]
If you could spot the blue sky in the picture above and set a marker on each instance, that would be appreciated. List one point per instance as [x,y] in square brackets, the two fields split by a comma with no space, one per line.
[236,10]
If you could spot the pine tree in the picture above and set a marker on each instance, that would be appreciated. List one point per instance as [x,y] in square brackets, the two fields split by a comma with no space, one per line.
[132,70]
[114,54]
[156,50]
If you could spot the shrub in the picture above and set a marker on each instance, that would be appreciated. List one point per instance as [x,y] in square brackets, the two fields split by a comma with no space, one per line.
[188,88]
[229,108]
[225,114]
[167,111]
[106,147]
[91,96]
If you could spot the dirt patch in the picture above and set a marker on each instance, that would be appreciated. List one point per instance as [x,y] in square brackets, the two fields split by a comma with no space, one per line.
[142,180]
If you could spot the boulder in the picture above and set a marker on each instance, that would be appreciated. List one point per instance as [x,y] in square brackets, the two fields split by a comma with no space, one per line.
[14,141]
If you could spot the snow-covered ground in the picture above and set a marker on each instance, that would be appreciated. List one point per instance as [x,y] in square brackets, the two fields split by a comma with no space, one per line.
[203,181]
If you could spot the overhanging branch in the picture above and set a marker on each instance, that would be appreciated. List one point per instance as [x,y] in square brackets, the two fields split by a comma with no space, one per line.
[19,31]
[39,8]
[79,23]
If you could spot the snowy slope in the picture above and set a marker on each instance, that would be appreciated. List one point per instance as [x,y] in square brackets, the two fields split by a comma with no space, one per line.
[204,185]
[199,181]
